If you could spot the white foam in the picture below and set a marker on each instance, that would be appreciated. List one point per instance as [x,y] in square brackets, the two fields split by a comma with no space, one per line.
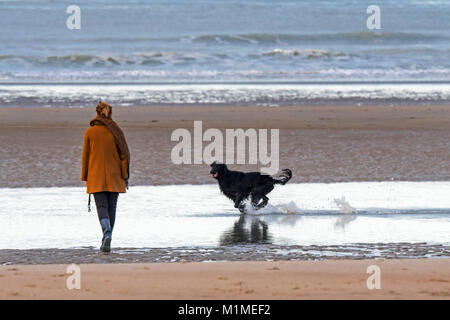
[217,93]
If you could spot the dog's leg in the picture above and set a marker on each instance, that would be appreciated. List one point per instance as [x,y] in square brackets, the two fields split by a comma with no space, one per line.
[263,203]
[238,203]
[255,200]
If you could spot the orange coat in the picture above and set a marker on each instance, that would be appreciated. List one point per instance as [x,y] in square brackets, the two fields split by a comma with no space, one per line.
[102,167]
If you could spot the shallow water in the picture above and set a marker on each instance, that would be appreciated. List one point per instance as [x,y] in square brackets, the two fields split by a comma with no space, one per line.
[199,216]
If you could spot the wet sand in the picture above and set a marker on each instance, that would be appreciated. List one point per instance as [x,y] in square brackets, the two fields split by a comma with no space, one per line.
[400,279]
[294,117]
[242,252]
[41,147]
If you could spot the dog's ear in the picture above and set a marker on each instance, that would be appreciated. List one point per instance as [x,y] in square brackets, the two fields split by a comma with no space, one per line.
[213,164]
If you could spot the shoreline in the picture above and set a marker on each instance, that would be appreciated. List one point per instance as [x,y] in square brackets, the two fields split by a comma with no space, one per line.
[236,252]
[232,93]
[343,279]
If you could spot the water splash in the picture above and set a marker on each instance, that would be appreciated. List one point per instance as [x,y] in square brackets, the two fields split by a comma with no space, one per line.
[287,208]
[347,210]
[344,206]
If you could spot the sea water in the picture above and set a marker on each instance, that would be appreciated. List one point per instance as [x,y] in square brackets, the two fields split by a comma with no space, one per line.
[259,52]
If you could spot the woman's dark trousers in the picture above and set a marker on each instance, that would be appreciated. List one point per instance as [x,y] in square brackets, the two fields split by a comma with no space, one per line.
[106,203]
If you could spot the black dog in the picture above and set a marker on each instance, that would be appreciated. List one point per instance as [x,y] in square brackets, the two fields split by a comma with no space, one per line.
[238,186]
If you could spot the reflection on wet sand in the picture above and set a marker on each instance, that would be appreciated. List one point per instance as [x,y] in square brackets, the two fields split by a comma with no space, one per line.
[254,229]
[246,230]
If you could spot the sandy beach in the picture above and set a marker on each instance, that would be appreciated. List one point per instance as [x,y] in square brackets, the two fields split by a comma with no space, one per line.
[350,97]
[400,279]
[321,143]
[42,148]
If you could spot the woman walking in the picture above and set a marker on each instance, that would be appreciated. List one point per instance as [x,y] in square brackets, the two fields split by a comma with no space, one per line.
[105,168]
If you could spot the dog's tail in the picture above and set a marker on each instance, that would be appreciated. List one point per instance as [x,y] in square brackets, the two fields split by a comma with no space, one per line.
[284,177]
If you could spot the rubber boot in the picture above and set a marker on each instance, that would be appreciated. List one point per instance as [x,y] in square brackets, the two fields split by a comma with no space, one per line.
[107,234]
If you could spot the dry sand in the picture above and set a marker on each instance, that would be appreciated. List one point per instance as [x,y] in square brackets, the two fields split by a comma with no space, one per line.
[332,279]
[41,147]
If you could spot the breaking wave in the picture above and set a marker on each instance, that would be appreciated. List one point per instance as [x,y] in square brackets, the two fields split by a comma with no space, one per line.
[318,37]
